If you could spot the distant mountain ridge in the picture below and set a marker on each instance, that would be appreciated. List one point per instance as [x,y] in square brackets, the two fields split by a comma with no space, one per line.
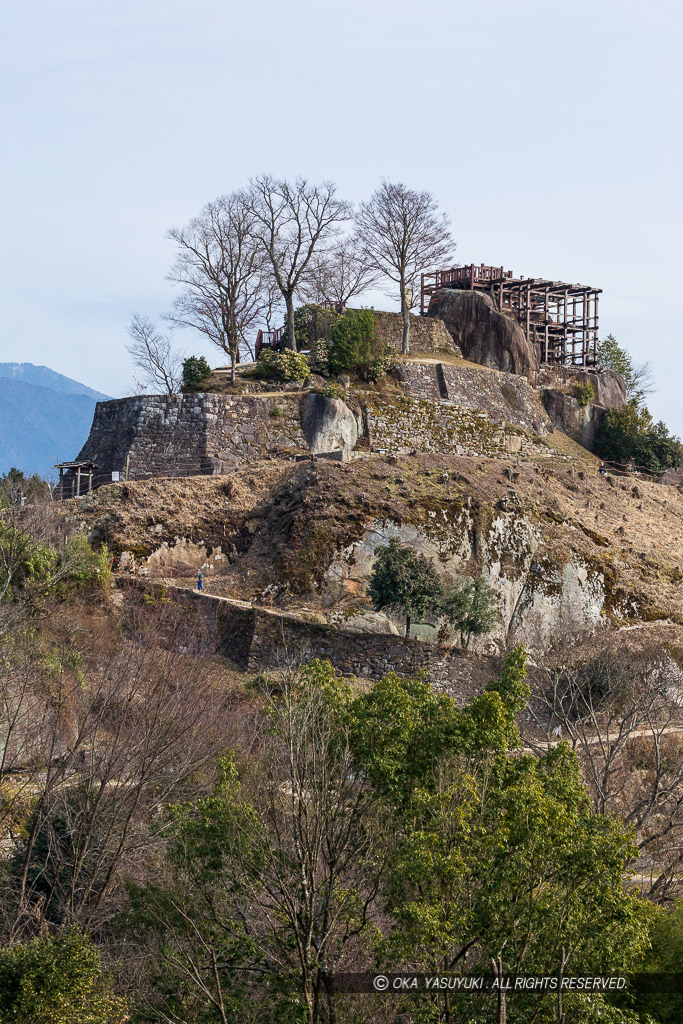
[44,377]
[45,417]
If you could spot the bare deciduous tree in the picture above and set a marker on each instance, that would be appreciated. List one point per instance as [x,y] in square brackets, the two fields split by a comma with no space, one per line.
[402,236]
[293,221]
[90,764]
[335,276]
[623,715]
[302,856]
[640,384]
[155,355]
[221,267]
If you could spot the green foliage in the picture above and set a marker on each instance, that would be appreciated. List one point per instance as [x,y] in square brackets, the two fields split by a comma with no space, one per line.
[84,565]
[637,377]
[356,346]
[664,957]
[285,366]
[628,435]
[312,323]
[15,484]
[400,730]
[584,393]
[473,850]
[611,356]
[495,854]
[404,581]
[470,605]
[334,390]
[195,370]
[56,981]
[319,356]
[32,568]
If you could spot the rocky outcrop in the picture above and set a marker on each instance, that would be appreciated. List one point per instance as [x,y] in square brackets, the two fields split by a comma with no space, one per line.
[369,622]
[560,390]
[608,387]
[482,333]
[328,424]
[580,422]
[537,596]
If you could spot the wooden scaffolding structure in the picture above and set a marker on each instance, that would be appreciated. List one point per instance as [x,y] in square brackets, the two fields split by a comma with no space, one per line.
[561,318]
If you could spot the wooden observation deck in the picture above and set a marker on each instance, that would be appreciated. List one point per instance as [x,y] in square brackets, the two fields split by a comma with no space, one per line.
[562,319]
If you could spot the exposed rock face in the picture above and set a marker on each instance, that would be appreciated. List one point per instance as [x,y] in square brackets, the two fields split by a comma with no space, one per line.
[482,333]
[184,558]
[371,622]
[608,386]
[580,422]
[328,424]
[537,597]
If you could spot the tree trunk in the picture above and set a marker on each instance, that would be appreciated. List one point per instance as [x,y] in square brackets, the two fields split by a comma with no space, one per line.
[497,966]
[233,360]
[331,1005]
[291,334]
[407,625]
[405,312]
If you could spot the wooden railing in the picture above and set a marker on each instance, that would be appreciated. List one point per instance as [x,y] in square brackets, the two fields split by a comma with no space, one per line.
[460,277]
[268,339]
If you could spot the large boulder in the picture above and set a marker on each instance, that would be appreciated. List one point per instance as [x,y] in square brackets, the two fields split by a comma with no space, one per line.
[328,424]
[483,334]
[371,622]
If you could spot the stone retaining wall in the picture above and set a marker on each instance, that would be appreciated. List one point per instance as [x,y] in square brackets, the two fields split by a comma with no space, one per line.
[428,426]
[505,397]
[162,434]
[205,433]
[258,638]
[427,334]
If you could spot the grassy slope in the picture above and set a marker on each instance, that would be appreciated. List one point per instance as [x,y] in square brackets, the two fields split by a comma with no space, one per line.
[286,519]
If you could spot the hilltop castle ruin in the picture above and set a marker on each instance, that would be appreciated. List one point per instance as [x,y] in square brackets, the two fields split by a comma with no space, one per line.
[540,335]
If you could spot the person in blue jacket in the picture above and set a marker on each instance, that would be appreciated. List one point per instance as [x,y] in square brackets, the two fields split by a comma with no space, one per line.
[200,580]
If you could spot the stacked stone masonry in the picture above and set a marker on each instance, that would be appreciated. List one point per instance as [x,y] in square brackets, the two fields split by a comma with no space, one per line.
[504,397]
[427,335]
[257,639]
[202,433]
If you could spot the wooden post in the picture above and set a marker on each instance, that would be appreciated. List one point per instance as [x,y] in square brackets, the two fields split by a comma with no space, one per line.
[595,330]
[127,466]
[61,483]
[90,480]
[78,482]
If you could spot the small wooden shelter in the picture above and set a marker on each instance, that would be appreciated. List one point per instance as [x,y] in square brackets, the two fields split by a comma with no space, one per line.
[78,473]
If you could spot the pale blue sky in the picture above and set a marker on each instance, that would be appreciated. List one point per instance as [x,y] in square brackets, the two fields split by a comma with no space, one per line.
[549,131]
